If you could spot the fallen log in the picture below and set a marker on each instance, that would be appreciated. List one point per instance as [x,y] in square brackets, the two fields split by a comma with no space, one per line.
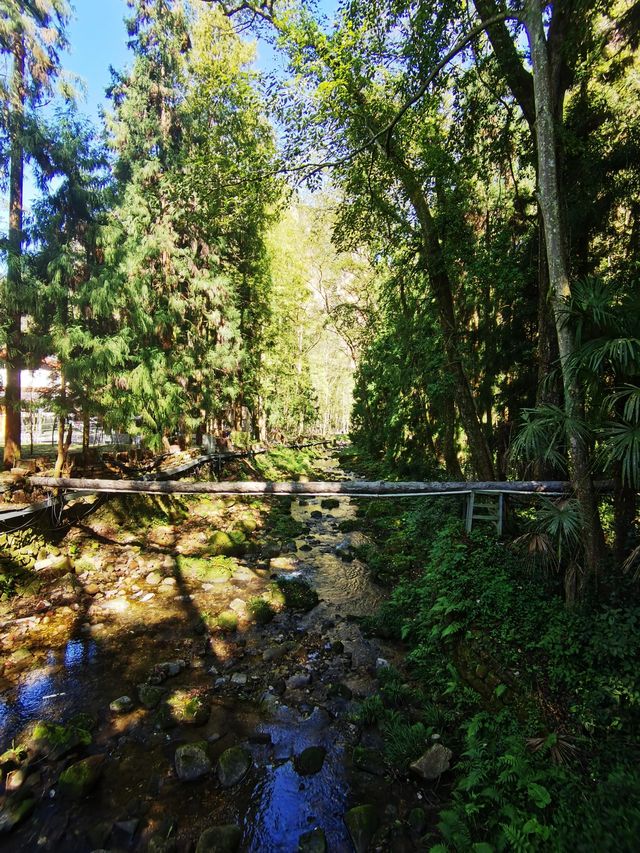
[354,488]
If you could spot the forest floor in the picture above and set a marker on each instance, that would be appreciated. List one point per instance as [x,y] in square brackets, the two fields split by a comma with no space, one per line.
[193,676]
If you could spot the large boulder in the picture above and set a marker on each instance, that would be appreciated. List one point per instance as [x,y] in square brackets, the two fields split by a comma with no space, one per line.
[433,763]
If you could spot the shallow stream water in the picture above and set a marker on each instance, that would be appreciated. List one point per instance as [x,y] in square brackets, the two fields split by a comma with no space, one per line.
[119,635]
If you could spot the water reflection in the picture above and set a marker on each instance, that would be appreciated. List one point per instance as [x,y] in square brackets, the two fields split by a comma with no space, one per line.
[53,690]
[285,805]
[289,805]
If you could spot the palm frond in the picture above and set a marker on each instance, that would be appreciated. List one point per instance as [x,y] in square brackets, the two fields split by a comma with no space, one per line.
[633,562]
[621,443]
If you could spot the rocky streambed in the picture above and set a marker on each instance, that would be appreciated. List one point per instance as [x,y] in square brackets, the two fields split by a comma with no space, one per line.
[194,683]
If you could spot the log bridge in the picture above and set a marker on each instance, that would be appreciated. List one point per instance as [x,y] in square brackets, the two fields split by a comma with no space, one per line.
[483,500]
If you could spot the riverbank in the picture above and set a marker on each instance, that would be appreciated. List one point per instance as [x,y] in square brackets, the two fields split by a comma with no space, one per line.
[199,664]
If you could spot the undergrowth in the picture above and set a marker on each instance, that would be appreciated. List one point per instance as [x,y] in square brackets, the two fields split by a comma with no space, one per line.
[539,703]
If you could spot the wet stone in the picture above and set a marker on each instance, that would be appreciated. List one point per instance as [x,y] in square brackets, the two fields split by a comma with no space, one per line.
[275,653]
[16,779]
[312,842]
[15,810]
[121,705]
[166,669]
[298,681]
[192,762]
[233,766]
[362,823]
[153,579]
[368,759]
[81,778]
[160,844]
[310,760]
[337,690]
[220,839]
[330,503]
[124,830]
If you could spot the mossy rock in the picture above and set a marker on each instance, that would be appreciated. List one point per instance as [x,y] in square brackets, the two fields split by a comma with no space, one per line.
[232,544]
[298,595]
[248,524]
[216,569]
[417,820]
[56,740]
[192,761]
[220,839]
[313,842]
[15,809]
[233,765]
[81,778]
[330,503]
[183,708]
[13,758]
[369,760]
[150,696]
[362,823]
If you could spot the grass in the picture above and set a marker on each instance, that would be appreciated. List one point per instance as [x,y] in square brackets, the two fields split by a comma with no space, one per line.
[261,610]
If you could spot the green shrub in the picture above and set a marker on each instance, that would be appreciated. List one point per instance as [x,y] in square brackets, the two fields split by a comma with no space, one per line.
[261,610]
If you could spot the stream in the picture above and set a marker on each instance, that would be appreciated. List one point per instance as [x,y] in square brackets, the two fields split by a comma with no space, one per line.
[136,621]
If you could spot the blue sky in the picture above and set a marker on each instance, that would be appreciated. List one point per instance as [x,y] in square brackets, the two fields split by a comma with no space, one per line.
[97,39]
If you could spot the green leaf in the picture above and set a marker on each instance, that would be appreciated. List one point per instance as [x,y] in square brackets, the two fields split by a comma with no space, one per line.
[539,794]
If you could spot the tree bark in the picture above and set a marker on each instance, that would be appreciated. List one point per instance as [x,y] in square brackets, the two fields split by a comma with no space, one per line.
[14,363]
[559,285]
[346,487]
[62,446]
[86,432]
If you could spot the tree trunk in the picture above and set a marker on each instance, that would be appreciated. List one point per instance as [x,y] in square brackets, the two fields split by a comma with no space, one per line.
[86,432]
[481,457]
[624,511]
[344,487]
[61,457]
[13,391]
[559,286]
